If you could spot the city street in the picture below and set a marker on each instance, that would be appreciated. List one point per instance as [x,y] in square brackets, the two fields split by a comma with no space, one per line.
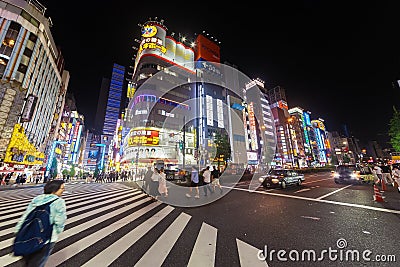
[115,224]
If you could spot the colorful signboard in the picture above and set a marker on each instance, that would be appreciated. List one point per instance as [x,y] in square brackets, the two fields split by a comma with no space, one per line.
[253,130]
[21,151]
[143,137]
[149,31]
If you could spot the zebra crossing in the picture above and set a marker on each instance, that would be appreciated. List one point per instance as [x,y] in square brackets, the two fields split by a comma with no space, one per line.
[115,225]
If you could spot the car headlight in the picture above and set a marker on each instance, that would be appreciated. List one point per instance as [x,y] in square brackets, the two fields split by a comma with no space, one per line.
[261,179]
[275,181]
[336,175]
[354,176]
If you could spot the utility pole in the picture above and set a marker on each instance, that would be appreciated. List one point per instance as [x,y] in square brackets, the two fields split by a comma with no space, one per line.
[184,142]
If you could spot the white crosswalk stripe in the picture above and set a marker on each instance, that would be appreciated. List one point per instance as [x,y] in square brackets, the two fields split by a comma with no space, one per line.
[244,251]
[156,255]
[106,221]
[203,254]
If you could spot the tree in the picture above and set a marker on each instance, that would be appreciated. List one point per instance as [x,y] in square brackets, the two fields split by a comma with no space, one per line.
[394,130]
[96,172]
[72,172]
[65,172]
[346,158]
[223,146]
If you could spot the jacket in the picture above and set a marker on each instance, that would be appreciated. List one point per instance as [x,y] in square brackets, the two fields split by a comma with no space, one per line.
[58,213]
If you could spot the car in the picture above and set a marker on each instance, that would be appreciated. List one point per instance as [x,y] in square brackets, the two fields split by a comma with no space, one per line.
[353,174]
[281,178]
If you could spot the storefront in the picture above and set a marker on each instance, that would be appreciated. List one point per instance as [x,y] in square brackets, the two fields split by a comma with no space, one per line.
[144,146]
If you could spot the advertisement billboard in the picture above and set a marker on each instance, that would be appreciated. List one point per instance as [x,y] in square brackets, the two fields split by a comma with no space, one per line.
[206,49]
[29,108]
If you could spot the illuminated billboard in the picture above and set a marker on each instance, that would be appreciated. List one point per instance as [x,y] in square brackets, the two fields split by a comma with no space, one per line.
[207,50]
[143,137]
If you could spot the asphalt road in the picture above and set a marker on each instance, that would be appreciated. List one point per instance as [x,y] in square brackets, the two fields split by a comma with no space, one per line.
[115,224]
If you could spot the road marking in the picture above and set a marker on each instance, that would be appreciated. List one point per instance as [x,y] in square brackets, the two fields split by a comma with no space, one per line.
[133,196]
[107,256]
[331,193]
[248,255]
[203,253]
[70,250]
[312,218]
[302,190]
[156,254]
[320,200]
[316,181]
[75,248]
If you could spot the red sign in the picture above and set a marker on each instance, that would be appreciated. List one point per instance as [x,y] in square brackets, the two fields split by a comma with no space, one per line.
[207,49]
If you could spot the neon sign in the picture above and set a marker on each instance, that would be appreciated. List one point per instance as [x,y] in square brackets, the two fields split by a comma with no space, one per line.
[152,43]
[149,31]
[143,137]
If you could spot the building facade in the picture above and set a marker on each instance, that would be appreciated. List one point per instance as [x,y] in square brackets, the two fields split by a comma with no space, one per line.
[31,76]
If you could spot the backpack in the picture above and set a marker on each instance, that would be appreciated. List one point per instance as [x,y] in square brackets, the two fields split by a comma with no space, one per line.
[34,231]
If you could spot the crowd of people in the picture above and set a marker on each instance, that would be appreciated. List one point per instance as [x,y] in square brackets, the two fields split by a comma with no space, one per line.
[155,182]
[388,174]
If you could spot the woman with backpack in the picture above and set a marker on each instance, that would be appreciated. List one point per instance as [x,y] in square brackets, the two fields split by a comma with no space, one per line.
[57,217]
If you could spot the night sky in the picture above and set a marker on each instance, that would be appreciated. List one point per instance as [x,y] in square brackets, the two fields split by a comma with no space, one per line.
[339,61]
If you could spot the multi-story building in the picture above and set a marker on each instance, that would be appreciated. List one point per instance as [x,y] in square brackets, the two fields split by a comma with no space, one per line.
[259,127]
[113,106]
[109,107]
[279,108]
[159,106]
[182,98]
[31,68]
[321,146]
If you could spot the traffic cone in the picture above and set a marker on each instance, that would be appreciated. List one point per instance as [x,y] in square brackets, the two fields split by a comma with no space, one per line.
[377,194]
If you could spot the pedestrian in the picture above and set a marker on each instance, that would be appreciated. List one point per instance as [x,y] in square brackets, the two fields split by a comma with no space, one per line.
[147,180]
[53,190]
[194,182]
[162,183]
[396,177]
[207,180]
[386,174]
[378,172]
[154,183]
[215,179]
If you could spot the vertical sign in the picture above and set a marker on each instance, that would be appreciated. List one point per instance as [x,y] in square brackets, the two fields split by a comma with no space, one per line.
[220,114]
[253,131]
[209,111]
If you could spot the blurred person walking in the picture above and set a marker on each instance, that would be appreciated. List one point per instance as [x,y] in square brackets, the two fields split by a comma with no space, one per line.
[155,177]
[207,180]
[396,177]
[147,180]
[215,179]
[162,183]
[378,172]
[194,183]
[386,174]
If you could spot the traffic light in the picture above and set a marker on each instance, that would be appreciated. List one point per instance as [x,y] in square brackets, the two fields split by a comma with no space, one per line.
[180,145]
